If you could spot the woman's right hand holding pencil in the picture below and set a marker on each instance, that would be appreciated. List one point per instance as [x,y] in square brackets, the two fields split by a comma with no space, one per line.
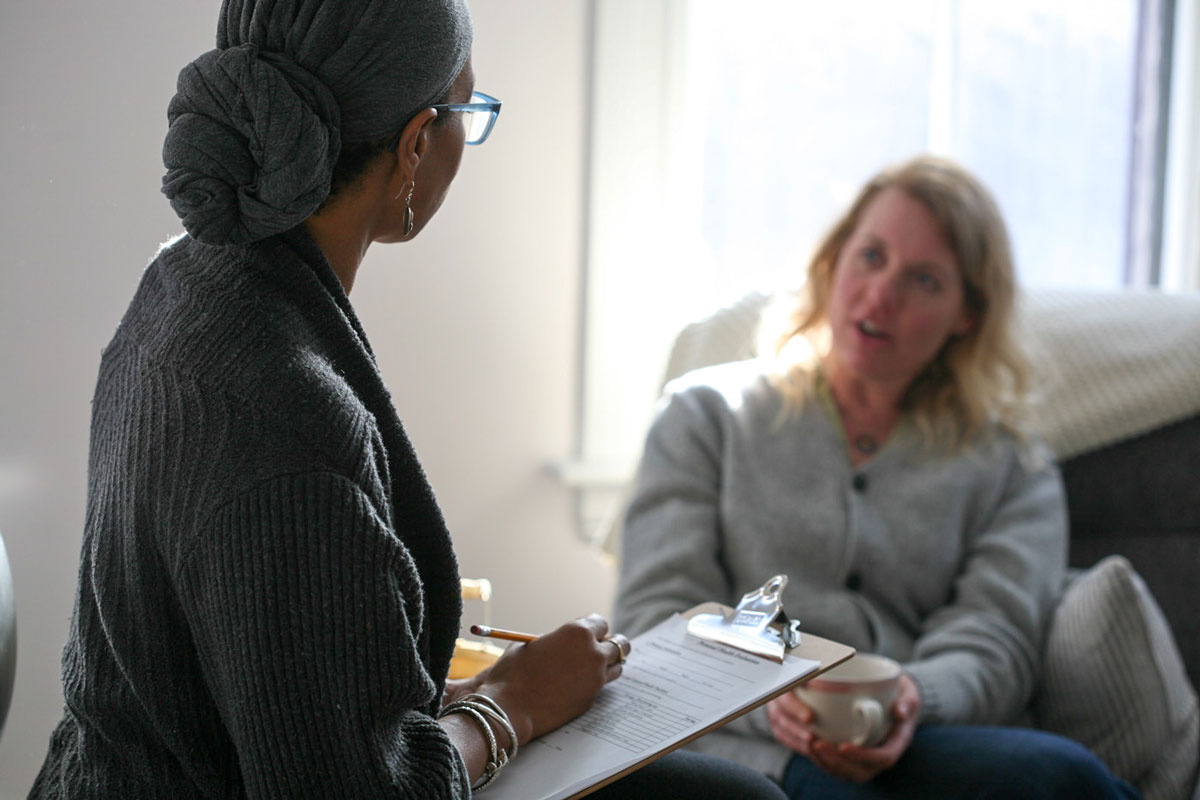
[546,682]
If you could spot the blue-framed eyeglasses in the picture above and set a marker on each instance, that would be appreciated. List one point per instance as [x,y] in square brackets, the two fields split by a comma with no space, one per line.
[481,115]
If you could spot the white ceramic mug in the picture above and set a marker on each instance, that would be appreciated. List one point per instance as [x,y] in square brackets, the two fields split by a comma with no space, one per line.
[853,701]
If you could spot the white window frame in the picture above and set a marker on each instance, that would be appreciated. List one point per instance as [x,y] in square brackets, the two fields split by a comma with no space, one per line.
[1180,270]
[635,102]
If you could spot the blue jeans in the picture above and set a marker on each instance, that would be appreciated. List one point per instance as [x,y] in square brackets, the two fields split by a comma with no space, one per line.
[687,775]
[969,761]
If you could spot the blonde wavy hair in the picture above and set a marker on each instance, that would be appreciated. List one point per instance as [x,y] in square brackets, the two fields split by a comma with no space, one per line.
[977,380]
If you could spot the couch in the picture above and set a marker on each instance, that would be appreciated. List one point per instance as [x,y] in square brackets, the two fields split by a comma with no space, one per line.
[1141,497]
[1119,403]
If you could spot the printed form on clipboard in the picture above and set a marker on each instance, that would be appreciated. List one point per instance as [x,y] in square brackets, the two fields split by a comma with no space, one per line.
[686,676]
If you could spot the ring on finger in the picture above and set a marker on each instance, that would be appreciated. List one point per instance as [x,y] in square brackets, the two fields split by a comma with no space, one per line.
[622,646]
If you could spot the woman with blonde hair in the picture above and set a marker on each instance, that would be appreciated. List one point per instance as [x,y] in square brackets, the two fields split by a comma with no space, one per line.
[973,379]
[879,459]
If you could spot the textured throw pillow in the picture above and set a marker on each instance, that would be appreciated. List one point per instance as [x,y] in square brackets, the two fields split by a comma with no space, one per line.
[1113,680]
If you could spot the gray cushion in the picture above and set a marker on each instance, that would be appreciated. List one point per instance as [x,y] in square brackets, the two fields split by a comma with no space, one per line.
[1113,680]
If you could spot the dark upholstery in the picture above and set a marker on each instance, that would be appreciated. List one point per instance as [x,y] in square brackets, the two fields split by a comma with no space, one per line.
[1141,498]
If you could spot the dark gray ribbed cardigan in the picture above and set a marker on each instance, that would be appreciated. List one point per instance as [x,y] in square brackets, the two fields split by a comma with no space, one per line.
[268,598]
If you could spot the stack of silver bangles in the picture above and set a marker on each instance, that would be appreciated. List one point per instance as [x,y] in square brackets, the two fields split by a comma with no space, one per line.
[481,708]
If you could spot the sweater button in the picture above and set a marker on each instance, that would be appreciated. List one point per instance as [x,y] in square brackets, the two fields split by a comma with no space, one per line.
[853,581]
[859,482]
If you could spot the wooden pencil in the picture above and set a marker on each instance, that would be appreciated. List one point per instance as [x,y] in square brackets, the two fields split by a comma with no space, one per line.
[500,633]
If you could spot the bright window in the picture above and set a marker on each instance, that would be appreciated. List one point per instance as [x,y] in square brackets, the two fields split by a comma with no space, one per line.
[797,104]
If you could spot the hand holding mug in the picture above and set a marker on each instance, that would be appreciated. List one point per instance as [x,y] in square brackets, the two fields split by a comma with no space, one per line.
[853,701]
[795,723]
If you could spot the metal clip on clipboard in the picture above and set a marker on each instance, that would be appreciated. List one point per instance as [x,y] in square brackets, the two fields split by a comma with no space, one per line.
[758,625]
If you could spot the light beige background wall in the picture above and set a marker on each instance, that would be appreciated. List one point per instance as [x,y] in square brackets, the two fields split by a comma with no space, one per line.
[475,324]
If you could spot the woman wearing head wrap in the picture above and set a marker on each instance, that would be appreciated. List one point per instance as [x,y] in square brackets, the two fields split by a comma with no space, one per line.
[879,458]
[268,599]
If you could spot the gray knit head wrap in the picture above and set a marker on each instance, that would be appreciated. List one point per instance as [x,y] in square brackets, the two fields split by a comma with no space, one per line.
[256,126]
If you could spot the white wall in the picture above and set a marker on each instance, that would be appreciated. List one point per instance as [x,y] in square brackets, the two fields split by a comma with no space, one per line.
[476,324]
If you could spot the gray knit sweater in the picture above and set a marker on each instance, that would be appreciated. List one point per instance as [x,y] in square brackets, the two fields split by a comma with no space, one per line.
[948,564]
[268,598]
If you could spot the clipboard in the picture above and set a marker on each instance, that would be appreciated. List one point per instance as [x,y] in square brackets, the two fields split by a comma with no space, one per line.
[711,680]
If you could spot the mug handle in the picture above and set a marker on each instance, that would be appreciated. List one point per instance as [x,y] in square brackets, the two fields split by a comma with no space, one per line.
[868,714]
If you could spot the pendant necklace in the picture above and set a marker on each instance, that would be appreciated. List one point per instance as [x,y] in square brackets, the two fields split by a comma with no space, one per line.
[866,444]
